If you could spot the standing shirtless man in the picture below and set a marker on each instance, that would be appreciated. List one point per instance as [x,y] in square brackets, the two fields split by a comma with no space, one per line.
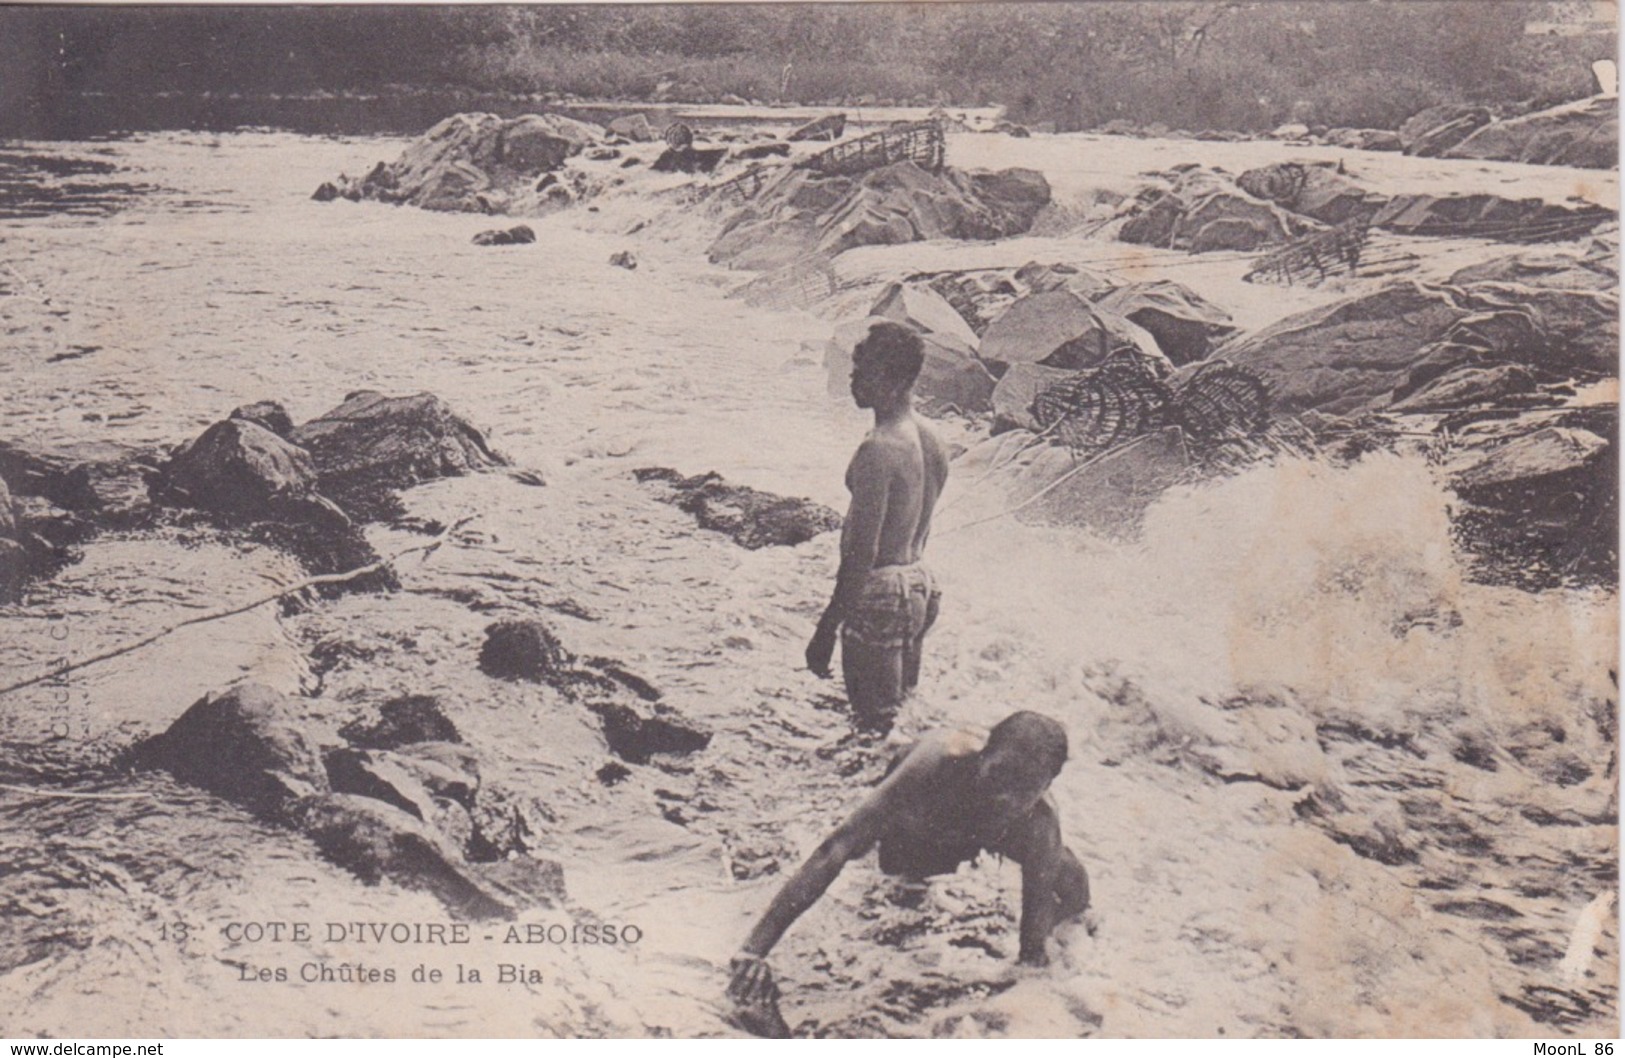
[885,600]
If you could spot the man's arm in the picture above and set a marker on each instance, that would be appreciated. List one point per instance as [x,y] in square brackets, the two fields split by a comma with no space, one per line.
[849,841]
[1040,852]
[869,477]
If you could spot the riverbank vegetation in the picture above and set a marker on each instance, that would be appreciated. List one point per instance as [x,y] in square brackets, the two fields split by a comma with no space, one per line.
[1237,66]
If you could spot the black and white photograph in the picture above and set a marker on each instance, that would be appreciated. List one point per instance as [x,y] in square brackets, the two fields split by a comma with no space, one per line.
[1087,519]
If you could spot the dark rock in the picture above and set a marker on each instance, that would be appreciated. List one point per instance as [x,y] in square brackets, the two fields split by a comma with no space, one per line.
[1365,139]
[799,212]
[448,770]
[1467,386]
[1489,217]
[372,443]
[1013,397]
[1539,268]
[1435,130]
[950,377]
[1203,209]
[635,735]
[525,650]
[613,774]
[630,162]
[534,143]
[503,826]
[8,512]
[16,566]
[751,518]
[634,127]
[411,718]
[249,745]
[624,259]
[374,841]
[1575,329]
[1317,191]
[517,235]
[689,159]
[1541,462]
[828,127]
[380,775]
[1089,285]
[105,480]
[268,414]
[238,467]
[1583,134]
[924,310]
[1185,325]
[327,192]
[1057,328]
[466,161]
[762,150]
[603,154]
[1349,355]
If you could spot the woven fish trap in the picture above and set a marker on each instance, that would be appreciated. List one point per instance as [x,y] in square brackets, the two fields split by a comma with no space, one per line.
[1221,402]
[1100,409]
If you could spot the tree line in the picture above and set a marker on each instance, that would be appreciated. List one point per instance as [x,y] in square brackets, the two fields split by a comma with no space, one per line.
[1192,65]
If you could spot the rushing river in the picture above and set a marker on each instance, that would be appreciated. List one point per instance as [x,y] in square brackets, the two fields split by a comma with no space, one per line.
[1278,673]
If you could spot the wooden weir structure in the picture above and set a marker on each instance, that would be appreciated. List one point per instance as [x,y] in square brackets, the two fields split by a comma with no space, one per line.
[920,142]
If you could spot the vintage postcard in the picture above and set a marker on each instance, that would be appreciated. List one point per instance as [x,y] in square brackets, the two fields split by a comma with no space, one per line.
[864,520]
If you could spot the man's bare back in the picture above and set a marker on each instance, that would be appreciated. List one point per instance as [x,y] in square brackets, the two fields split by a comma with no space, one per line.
[913,463]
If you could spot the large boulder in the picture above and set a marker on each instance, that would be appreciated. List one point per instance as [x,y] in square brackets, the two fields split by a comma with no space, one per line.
[1185,325]
[800,212]
[267,413]
[472,162]
[1314,190]
[829,127]
[951,376]
[1468,386]
[1035,277]
[1583,134]
[1013,396]
[1539,268]
[924,310]
[1575,329]
[1201,209]
[374,841]
[1431,132]
[103,479]
[250,745]
[533,144]
[1351,354]
[238,467]
[1532,467]
[1489,217]
[373,442]
[634,127]
[1058,328]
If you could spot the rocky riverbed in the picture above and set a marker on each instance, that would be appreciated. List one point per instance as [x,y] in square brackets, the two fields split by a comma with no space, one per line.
[1326,779]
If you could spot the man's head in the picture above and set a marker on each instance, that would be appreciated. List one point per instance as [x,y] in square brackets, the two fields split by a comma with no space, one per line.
[1023,755]
[885,364]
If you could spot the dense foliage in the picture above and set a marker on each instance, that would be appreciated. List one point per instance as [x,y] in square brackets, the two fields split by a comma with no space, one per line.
[1240,65]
